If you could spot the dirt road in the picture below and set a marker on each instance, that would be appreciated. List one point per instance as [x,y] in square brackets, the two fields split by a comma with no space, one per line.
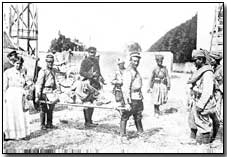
[167,134]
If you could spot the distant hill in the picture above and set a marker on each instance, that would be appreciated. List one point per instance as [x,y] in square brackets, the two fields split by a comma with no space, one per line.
[181,40]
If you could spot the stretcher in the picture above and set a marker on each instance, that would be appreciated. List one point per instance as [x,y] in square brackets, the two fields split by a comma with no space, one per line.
[110,105]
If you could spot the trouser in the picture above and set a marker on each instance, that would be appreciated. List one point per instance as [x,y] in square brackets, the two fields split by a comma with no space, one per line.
[204,127]
[46,114]
[216,125]
[136,112]
[192,125]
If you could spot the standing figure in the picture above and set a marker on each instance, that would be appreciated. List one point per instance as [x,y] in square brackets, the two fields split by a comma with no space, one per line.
[132,95]
[215,59]
[217,116]
[45,86]
[15,115]
[204,104]
[118,81]
[159,84]
[90,71]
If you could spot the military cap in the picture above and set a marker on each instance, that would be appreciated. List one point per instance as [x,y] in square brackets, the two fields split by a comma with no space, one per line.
[49,58]
[19,59]
[215,55]
[120,61]
[159,57]
[12,53]
[198,53]
[91,49]
[135,54]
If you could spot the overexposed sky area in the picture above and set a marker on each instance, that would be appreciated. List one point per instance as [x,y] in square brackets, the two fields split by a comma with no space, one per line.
[109,26]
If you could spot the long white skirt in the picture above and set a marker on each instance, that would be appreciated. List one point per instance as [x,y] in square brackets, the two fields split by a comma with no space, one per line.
[15,121]
[159,94]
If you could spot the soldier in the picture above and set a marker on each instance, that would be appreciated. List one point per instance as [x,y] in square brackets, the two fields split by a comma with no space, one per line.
[132,95]
[215,58]
[90,70]
[45,86]
[118,82]
[159,84]
[202,87]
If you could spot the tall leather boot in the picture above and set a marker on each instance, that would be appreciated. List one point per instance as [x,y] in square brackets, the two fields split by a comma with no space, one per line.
[123,128]
[206,138]
[42,120]
[50,119]
[139,126]
[91,111]
[85,116]
[193,133]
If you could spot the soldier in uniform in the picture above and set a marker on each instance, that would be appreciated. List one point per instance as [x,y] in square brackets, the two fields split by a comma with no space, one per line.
[132,95]
[90,70]
[45,86]
[202,82]
[215,58]
[118,82]
[159,84]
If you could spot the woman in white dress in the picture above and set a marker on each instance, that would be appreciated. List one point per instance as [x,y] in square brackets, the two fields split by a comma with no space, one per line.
[15,115]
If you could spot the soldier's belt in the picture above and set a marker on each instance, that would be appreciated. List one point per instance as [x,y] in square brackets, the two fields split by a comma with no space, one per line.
[48,86]
[136,90]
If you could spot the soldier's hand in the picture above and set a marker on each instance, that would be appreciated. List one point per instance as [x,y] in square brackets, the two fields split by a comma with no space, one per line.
[198,109]
[168,88]
[127,107]
[149,90]
[36,100]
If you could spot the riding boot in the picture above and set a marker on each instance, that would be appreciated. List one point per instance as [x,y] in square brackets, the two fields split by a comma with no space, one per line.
[42,120]
[139,126]
[49,119]
[156,109]
[87,117]
[91,111]
[123,128]
[206,138]
[193,133]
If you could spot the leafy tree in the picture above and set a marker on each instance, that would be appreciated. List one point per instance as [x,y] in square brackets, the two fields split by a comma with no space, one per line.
[181,40]
[63,43]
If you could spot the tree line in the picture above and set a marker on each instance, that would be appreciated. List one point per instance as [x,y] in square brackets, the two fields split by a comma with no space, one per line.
[180,40]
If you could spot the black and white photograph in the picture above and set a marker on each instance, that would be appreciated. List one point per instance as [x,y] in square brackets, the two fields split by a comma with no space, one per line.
[119,77]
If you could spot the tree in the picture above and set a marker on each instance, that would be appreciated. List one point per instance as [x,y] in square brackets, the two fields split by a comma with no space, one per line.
[181,40]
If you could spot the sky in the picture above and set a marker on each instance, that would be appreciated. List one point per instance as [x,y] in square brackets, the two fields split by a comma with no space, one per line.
[110,26]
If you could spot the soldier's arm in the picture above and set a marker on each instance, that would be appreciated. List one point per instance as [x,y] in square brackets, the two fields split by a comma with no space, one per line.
[40,83]
[208,84]
[84,69]
[168,79]
[127,86]
[152,79]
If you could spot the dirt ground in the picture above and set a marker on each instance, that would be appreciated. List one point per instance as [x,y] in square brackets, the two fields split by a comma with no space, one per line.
[167,134]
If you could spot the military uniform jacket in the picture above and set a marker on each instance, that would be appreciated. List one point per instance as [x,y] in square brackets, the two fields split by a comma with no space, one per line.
[160,75]
[46,82]
[90,70]
[132,84]
[203,89]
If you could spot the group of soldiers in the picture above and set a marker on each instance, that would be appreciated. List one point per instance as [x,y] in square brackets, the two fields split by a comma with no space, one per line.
[206,100]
